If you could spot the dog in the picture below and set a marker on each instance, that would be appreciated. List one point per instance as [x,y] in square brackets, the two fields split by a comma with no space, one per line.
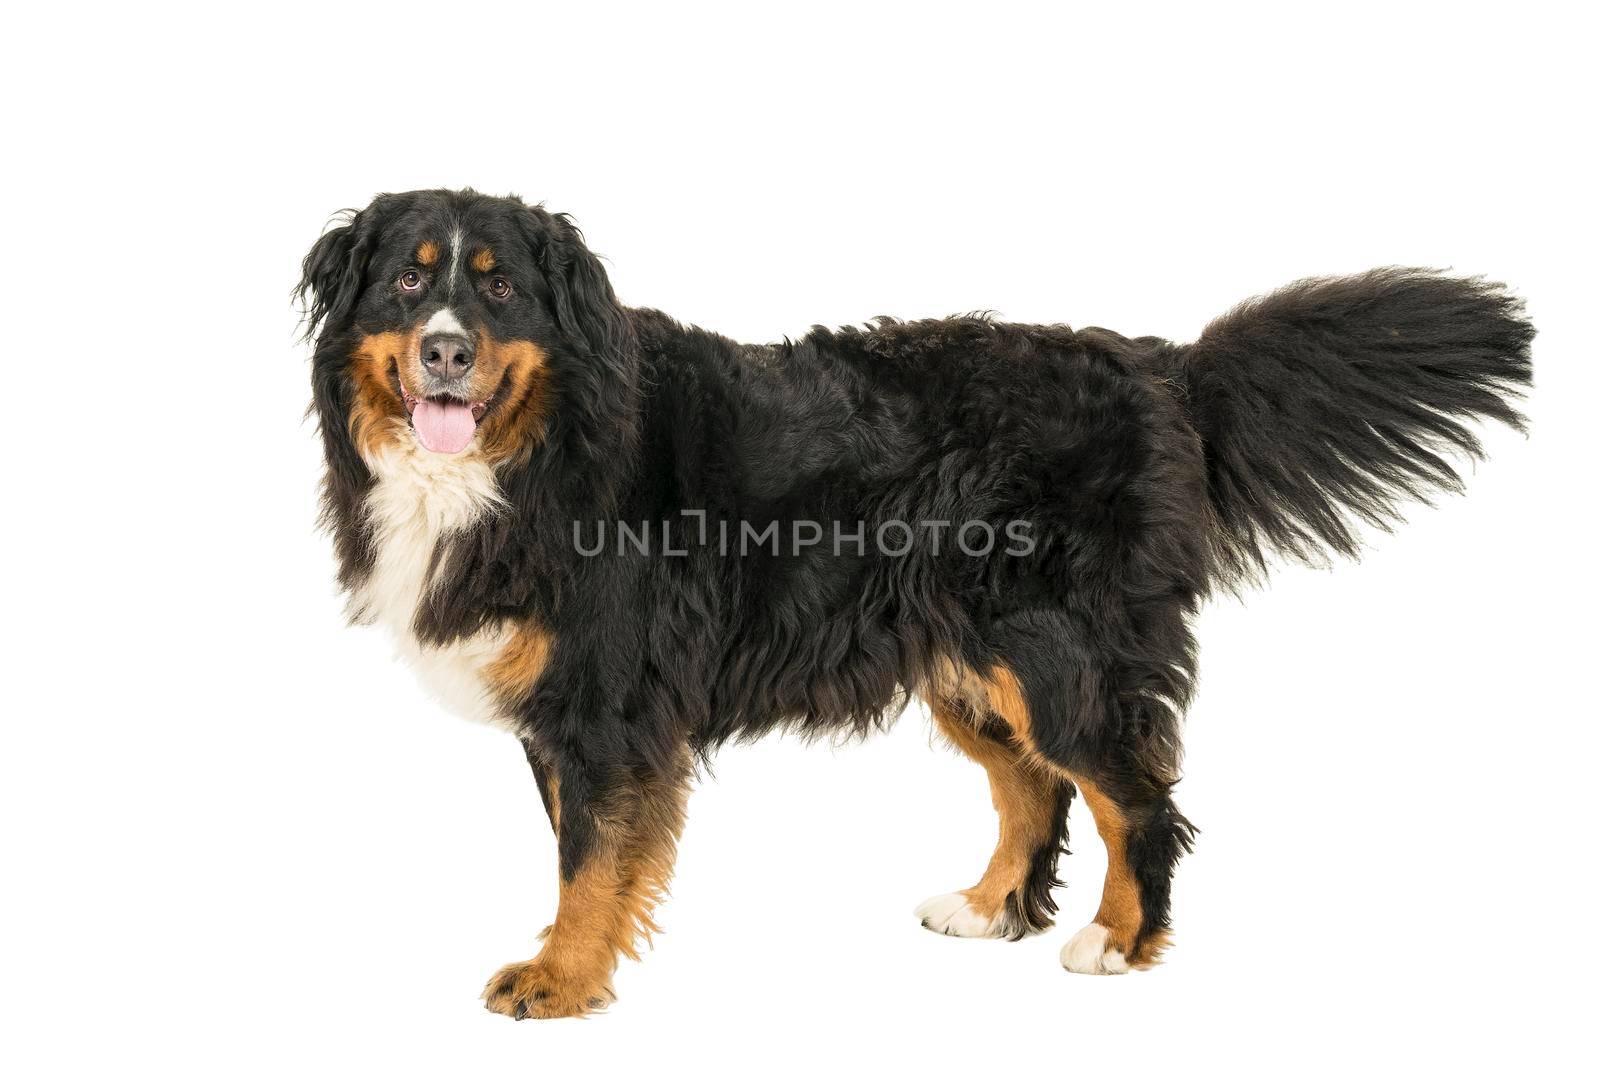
[629,541]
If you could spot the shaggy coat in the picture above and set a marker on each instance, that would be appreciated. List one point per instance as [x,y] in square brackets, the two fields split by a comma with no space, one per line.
[644,549]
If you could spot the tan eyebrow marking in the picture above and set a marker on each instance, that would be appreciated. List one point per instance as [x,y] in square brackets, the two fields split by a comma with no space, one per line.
[427,253]
[483,261]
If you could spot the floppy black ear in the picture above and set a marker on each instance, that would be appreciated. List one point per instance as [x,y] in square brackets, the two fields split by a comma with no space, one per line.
[586,308]
[331,279]
[332,273]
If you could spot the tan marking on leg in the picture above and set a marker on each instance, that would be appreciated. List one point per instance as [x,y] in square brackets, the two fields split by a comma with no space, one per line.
[656,818]
[605,908]
[1005,699]
[1024,798]
[1120,912]
[571,975]
[553,784]
[427,253]
[483,261]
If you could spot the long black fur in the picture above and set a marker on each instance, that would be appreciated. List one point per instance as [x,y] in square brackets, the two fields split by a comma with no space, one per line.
[1334,397]
[1149,473]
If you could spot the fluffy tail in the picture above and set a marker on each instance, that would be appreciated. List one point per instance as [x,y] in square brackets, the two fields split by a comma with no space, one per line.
[1334,399]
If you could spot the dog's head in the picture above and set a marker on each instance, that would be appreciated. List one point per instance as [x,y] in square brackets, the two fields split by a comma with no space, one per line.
[455,322]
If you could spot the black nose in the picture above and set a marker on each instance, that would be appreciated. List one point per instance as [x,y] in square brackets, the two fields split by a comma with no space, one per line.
[447,357]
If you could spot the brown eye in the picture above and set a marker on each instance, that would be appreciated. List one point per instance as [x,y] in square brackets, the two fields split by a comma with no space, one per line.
[411,281]
[499,288]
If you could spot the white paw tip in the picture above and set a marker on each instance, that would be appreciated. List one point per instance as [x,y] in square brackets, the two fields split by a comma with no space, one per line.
[953,914]
[1086,953]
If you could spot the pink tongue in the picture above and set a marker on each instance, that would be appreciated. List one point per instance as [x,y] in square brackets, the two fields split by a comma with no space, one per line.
[443,426]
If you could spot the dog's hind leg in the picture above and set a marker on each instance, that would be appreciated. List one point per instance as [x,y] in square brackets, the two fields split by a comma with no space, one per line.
[1118,745]
[1144,835]
[1012,899]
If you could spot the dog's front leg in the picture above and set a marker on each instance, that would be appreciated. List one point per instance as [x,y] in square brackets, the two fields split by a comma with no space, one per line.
[617,835]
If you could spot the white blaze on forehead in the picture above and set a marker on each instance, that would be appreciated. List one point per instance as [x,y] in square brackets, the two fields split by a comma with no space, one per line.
[444,321]
[455,258]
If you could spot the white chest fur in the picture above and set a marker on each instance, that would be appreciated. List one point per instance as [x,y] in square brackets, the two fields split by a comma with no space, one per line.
[419,498]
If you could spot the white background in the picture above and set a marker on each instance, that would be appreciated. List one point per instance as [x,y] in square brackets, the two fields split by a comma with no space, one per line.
[236,832]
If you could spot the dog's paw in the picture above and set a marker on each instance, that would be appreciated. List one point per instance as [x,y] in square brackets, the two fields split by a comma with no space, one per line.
[1088,952]
[533,990]
[956,915]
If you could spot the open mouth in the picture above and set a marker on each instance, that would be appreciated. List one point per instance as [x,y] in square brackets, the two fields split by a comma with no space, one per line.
[442,423]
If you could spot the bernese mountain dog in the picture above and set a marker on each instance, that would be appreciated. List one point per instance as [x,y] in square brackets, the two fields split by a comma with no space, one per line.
[628,541]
